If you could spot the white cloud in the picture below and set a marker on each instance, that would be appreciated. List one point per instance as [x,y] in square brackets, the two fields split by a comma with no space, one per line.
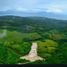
[21,9]
[54,6]
[34,10]
[54,10]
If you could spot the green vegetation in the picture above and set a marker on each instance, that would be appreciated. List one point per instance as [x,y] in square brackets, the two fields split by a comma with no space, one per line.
[50,35]
[46,48]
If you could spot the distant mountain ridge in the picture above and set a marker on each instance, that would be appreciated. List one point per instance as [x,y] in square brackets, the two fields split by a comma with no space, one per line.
[32,24]
[31,14]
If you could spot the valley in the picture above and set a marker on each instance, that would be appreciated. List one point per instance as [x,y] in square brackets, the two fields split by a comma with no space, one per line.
[19,34]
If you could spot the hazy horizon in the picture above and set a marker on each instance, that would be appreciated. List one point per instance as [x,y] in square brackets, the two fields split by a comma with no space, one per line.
[49,8]
[54,6]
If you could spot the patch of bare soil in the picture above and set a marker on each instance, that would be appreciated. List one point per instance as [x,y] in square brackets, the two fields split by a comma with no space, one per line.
[32,56]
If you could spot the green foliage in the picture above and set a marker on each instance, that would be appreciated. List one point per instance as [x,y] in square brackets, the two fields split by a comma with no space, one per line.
[59,56]
[3,54]
[46,48]
[12,57]
[50,34]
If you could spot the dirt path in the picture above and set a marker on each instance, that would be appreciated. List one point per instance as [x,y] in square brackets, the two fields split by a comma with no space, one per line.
[32,56]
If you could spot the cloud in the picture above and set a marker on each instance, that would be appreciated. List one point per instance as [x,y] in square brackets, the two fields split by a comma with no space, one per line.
[54,9]
[21,9]
[55,6]
[34,10]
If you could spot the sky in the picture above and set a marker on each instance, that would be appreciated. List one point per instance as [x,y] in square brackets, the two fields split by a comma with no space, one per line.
[54,6]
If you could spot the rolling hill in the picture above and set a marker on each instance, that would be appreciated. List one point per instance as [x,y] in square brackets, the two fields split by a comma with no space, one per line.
[20,32]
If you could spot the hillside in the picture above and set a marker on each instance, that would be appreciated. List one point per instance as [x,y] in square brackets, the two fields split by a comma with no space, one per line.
[38,14]
[18,33]
[31,24]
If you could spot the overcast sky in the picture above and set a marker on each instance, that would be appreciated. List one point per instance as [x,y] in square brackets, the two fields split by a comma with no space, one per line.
[54,6]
